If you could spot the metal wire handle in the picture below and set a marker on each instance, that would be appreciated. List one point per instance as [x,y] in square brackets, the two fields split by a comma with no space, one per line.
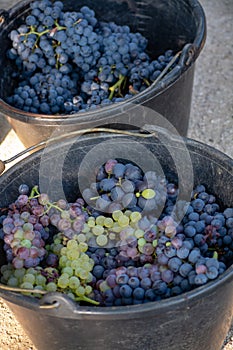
[21,290]
[54,305]
[166,69]
[67,135]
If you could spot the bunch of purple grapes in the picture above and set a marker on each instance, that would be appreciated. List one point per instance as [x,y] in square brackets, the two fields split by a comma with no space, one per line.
[27,226]
[121,186]
[24,231]
[138,285]
[67,62]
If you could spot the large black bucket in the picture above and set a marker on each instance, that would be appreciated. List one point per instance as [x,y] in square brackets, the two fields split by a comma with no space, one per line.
[175,24]
[196,320]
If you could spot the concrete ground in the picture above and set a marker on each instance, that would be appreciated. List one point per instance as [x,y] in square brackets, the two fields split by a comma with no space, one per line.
[211,122]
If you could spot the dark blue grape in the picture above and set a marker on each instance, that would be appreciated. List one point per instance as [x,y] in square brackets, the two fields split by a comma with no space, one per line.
[185,269]
[200,279]
[194,255]
[139,293]
[198,204]
[174,264]
[126,292]
[107,184]
[228,213]
[190,231]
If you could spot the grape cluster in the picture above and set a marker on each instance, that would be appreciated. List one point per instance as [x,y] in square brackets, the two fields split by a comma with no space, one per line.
[36,262]
[74,268]
[33,278]
[122,186]
[28,223]
[67,62]
[124,256]
[24,230]
[71,276]
[137,285]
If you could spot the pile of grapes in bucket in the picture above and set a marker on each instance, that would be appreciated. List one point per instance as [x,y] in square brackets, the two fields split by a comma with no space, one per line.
[70,62]
[128,239]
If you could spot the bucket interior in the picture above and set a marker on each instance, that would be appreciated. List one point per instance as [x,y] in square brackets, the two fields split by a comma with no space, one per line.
[166,25]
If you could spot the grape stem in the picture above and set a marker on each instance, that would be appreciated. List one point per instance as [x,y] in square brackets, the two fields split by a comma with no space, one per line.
[94,198]
[34,193]
[146,81]
[88,300]
[116,86]
[39,34]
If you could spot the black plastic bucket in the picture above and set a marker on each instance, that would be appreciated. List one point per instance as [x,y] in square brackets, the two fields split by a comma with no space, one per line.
[174,24]
[195,320]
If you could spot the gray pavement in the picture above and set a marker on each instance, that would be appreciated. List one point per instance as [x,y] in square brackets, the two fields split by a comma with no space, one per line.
[211,118]
[212,106]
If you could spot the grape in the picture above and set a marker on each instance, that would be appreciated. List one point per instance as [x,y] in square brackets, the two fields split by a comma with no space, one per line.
[190,231]
[123,221]
[139,293]
[167,276]
[126,292]
[107,185]
[110,164]
[118,170]
[98,271]
[201,279]
[182,252]
[23,189]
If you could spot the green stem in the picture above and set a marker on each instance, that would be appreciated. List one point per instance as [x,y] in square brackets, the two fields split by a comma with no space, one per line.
[58,26]
[34,193]
[116,86]
[88,300]
[51,205]
[146,81]
[36,33]
[78,21]
[39,34]
[94,198]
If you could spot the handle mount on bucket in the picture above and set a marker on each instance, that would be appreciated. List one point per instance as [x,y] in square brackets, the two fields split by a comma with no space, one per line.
[188,55]
[42,144]
[59,303]
[54,301]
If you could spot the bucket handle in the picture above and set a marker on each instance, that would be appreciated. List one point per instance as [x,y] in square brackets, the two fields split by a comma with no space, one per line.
[42,144]
[53,302]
